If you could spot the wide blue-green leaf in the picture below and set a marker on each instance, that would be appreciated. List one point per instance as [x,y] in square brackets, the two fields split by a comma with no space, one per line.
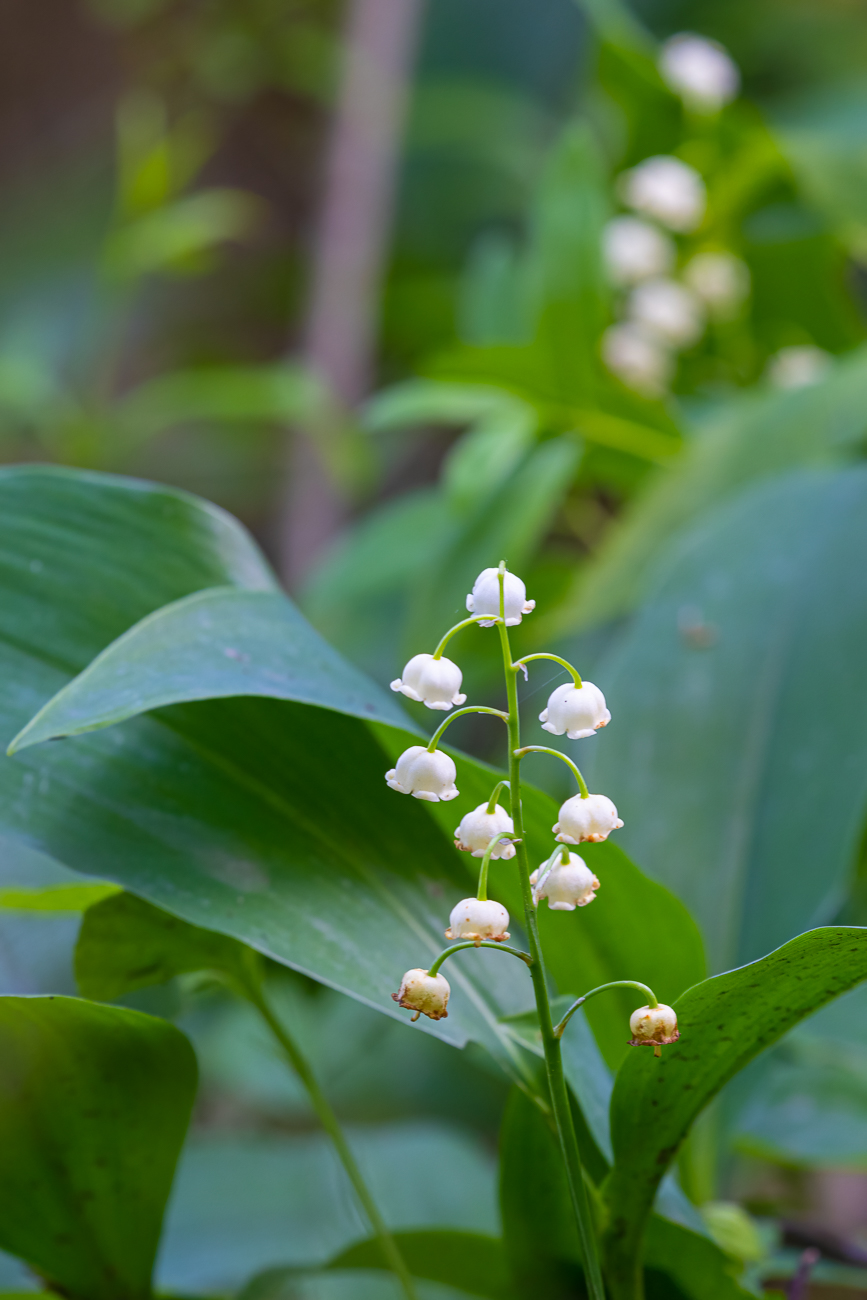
[724,1022]
[739,759]
[94,1105]
[754,437]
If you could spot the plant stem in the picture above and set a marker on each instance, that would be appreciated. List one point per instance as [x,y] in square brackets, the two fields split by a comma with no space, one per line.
[481,943]
[544,654]
[495,795]
[544,749]
[471,708]
[476,618]
[482,891]
[327,1118]
[551,1045]
[613,984]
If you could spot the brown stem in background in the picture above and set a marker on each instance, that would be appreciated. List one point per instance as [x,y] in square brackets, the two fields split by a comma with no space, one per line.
[352,239]
[800,1285]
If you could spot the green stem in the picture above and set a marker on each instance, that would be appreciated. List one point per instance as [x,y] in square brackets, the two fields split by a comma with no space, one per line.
[553,1060]
[614,984]
[390,1253]
[476,618]
[481,943]
[495,795]
[543,749]
[543,654]
[482,891]
[471,708]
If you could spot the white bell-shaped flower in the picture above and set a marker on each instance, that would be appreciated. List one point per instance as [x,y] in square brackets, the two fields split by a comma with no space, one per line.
[652,1026]
[667,189]
[575,711]
[479,827]
[798,367]
[700,71]
[485,597]
[434,682]
[639,360]
[424,775]
[668,310]
[566,885]
[593,818]
[426,995]
[720,279]
[636,250]
[476,918]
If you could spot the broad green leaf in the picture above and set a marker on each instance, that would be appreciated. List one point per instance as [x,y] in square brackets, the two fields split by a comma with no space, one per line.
[472,1263]
[751,605]
[94,1105]
[344,1284]
[753,437]
[125,944]
[693,1263]
[55,898]
[724,1022]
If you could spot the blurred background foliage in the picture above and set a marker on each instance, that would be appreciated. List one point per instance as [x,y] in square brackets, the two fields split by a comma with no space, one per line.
[696,542]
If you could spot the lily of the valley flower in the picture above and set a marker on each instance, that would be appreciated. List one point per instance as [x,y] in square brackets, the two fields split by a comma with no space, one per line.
[668,310]
[720,279]
[637,358]
[424,775]
[426,995]
[479,827]
[576,711]
[566,885]
[476,918]
[700,71]
[636,250]
[434,682]
[485,597]
[667,189]
[799,366]
[652,1026]
[593,818]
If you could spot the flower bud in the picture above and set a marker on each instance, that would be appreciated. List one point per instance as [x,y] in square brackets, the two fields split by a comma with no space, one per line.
[638,359]
[636,250]
[576,710]
[667,310]
[700,71]
[485,597]
[434,682]
[667,189]
[593,818]
[566,885]
[476,918]
[479,827]
[424,775]
[426,995]
[652,1026]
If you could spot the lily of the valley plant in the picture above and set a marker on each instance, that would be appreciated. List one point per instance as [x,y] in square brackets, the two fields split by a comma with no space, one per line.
[577,710]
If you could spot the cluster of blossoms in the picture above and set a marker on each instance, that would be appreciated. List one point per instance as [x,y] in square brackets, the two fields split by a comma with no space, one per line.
[665,309]
[576,710]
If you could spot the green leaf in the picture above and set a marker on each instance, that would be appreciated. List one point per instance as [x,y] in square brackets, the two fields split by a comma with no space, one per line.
[94,1105]
[467,1260]
[724,1022]
[126,944]
[751,607]
[56,898]
[693,1263]
[753,437]
[181,230]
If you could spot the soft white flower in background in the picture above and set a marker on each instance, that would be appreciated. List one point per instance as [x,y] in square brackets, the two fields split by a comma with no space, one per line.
[798,367]
[566,885]
[699,70]
[485,597]
[576,711]
[667,189]
[479,827]
[653,1025]
[424,775]
[424,994]
[635,250]
[721,280]
[638,360]
[593,818]
[434,682]
[476,918]
[668,310]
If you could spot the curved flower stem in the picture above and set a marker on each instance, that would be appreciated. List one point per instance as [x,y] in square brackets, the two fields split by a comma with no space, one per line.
[476,618]
[482,891]
[252,989]
[495,794]
[543,654]
[471,708]
[543,749]
[482,943]
[615,984]
[551,1045]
